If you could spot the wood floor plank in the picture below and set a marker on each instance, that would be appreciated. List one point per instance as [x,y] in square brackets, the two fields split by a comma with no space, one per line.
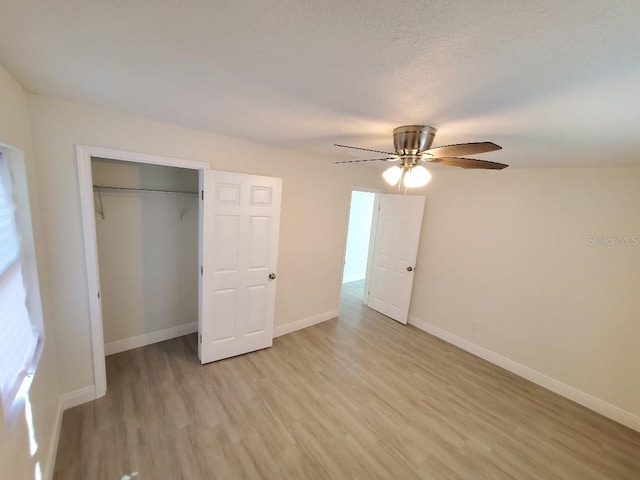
[357,397]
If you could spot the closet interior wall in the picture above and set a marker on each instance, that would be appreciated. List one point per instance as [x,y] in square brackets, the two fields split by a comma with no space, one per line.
[147,251]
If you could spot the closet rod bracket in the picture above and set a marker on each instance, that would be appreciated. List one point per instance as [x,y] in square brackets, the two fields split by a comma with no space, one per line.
[101,211]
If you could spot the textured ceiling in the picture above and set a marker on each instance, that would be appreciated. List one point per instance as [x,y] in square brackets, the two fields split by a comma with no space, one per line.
[556,83]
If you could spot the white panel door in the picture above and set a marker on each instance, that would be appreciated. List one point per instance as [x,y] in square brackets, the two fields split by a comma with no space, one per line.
[239,253]
[394,254]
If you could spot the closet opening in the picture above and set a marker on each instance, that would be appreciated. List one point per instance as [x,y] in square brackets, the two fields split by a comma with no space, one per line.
[142,224]
[147,236]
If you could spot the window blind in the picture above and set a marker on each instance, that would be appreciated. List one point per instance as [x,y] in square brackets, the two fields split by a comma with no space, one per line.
[9,239]
[19,341]
[18,337]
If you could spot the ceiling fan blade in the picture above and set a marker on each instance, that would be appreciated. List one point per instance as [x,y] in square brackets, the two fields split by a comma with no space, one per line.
[367,160]
[463,149]
[468,163]
[365,149]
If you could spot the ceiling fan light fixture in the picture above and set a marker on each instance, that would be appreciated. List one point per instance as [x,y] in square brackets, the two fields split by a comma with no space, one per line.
[417,176]
[412,145]
[392,175]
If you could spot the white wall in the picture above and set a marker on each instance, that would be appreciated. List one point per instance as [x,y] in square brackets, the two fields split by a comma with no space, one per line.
[315,206]
[512,251]
[16,460]
[360,217]
[147,250]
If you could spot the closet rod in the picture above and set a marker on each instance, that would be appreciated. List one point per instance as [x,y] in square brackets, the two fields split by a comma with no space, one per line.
[149,190]
[99,189]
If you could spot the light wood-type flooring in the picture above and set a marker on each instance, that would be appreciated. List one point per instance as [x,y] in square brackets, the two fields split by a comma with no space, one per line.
[358,397]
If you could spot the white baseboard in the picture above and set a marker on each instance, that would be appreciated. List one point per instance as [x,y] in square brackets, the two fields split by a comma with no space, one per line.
[50,464]
[597,405]
[78,397]
[149,338]
[304,323]
[353,278]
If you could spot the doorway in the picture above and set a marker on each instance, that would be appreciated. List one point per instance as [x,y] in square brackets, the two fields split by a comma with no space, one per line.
[359,241]
[384,229]
[147,235]
[85,154]
[238,226]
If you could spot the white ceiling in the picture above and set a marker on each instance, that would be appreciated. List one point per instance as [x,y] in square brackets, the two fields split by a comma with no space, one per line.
[556,83]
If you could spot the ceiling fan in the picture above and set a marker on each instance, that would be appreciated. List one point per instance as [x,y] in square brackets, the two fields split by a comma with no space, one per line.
[412,145]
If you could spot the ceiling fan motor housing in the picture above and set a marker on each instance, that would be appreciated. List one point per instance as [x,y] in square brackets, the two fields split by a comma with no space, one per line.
[413,139]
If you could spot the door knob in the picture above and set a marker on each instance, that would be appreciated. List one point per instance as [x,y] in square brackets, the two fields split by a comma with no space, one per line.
[272,276]
[409,269]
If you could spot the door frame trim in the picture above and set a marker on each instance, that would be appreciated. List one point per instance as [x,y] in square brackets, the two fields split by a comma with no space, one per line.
[84,153]
[372,246]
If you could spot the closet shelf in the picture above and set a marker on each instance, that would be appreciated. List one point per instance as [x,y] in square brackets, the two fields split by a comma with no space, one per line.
[102,188]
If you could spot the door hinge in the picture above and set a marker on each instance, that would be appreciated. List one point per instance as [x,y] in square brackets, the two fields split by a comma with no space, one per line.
[202,194]
[201,270]
[200,338]
[98,295]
